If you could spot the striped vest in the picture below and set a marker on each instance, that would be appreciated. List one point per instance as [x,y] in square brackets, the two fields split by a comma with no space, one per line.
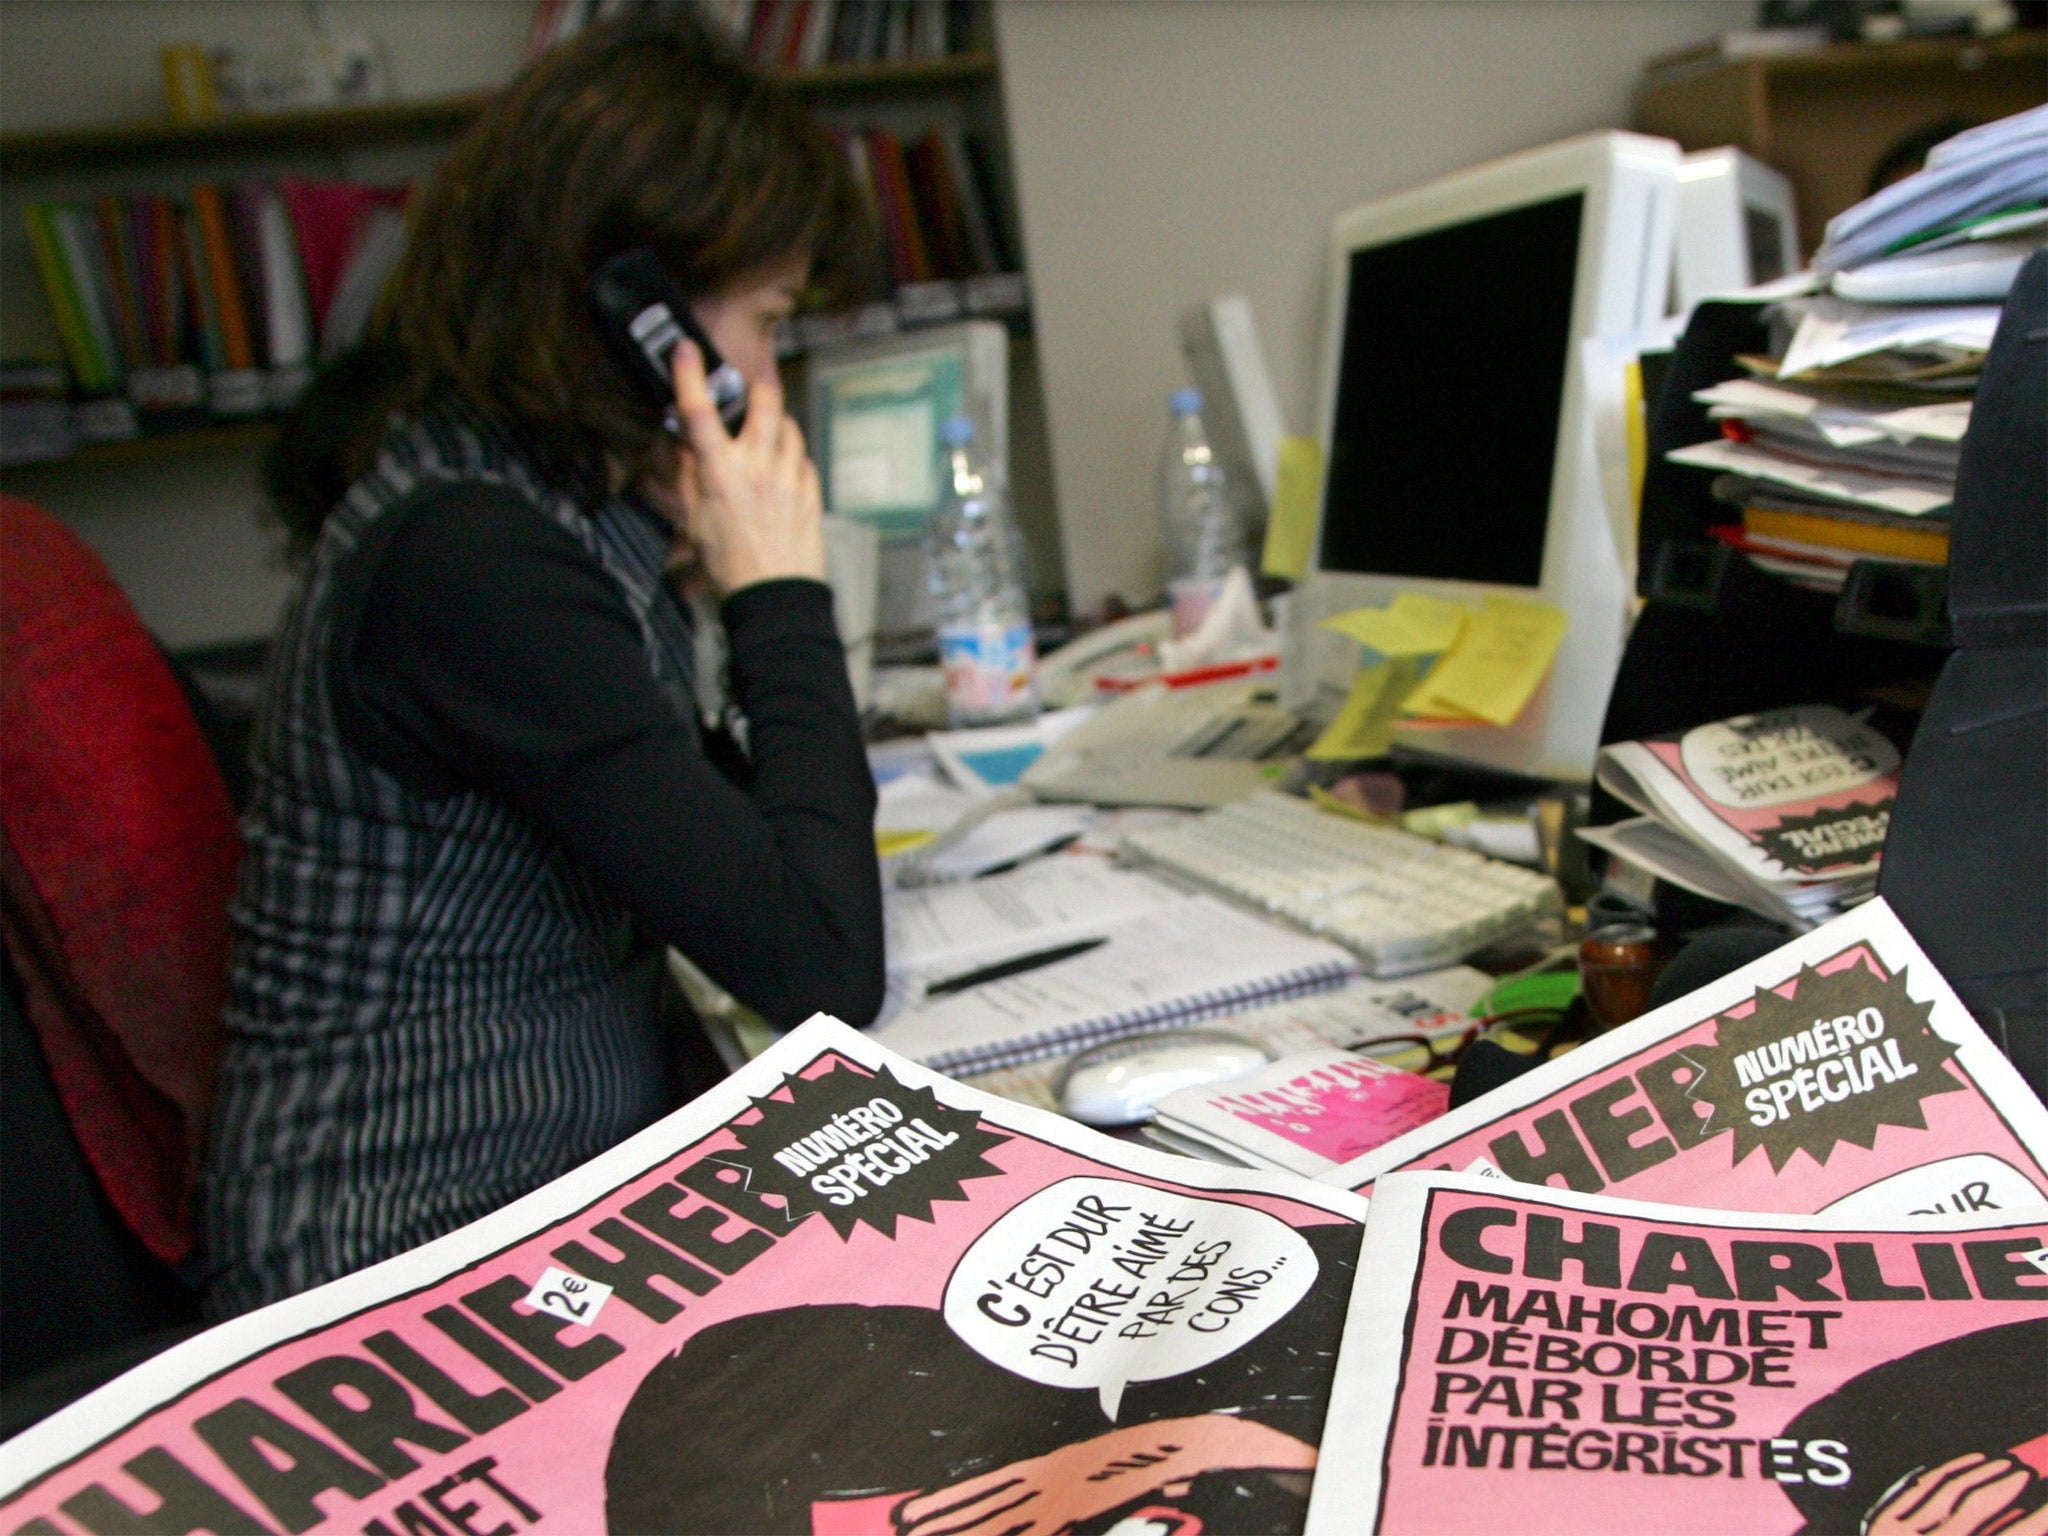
[433,1010]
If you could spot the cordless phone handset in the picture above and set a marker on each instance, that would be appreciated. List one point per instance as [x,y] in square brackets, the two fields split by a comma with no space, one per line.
[644,317]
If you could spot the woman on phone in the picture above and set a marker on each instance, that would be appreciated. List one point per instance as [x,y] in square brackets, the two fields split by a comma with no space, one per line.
[484,794]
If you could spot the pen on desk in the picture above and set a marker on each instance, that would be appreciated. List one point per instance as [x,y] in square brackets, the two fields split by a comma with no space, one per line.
[1016,965]
[1024,858]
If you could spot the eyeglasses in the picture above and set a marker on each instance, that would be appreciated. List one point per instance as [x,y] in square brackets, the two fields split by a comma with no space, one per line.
[1538,1032]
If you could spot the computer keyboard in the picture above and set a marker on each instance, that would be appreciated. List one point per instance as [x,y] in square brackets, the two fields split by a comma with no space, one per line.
[1402,902]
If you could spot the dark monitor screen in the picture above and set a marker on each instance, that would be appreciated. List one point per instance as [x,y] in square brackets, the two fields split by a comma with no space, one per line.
[1449,389]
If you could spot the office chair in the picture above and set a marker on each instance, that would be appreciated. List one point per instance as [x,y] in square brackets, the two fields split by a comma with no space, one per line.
[118,851]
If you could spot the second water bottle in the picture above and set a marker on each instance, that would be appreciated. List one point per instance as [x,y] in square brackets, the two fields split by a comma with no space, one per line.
[975,572]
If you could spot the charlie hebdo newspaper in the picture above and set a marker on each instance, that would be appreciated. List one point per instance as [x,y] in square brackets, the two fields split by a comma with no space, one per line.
[837,1295]
[1838,1074]
[1531,1360]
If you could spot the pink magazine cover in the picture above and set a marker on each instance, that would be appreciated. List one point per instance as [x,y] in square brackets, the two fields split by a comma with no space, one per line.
[1308,1112]
[1532,1361]
[1836,1074]
[837,1294]
[1791,795]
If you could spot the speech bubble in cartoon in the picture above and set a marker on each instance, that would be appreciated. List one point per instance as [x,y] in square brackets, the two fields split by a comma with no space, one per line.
[1754,762]
[1102,1282]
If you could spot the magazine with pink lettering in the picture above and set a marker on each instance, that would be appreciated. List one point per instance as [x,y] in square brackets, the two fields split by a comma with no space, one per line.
[1306,1113]
[1547,1363]
[836,1294]
[1788,808]
[1839,1074]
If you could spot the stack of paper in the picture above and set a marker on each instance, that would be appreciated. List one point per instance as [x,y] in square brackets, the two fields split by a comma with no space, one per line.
[1846,446]
[1981,184]
[1826,476]
[1784,813]
[1843,444]
[1830,1143]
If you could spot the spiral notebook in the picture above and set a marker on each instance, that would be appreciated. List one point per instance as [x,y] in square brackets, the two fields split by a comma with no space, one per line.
[1190,959]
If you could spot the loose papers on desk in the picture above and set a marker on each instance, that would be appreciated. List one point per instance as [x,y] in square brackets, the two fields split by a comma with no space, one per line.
[1550,1363]
[836,1293]
[1162,968]
[928,830]
[1792,804]
[1838,1075]
[939,931]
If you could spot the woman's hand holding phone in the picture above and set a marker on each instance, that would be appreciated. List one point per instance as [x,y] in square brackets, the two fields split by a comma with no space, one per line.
[752,507]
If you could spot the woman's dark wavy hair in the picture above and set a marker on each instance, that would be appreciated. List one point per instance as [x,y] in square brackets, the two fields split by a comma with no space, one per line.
[633,133]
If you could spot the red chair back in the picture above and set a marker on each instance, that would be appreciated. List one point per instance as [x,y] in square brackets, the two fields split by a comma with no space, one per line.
[119,856]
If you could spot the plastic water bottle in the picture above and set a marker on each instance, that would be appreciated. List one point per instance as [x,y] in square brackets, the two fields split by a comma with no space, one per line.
[975,572]
[1201,523]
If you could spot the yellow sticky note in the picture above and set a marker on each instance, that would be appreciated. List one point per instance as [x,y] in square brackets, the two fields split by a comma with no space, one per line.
[1636,415]
[1506,649]
[1364,727]
[1297,490]
[1411,625]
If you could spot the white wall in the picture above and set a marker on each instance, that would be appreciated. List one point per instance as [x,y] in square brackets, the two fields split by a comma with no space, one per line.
[1170,150]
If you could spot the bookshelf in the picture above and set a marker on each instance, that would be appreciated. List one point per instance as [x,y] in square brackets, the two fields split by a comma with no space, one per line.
[177,512]
[217,437]
[337,131]
[96,154]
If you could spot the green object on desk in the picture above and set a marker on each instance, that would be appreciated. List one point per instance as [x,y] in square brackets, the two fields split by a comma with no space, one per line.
[1551,989]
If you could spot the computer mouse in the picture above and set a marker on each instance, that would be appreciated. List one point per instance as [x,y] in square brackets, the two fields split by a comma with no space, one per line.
[1121,1083]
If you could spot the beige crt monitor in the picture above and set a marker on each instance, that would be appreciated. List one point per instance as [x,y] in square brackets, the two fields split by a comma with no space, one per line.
[1738,225]
[1458,453]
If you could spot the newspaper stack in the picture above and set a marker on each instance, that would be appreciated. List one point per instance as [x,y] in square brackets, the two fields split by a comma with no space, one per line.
[1842,443]
[842,1294]
[1758,1302]
[1783,813]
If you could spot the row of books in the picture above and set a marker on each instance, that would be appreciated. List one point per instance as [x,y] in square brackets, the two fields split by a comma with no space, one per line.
[807,34]
[796,34]
[218,303]
[936,199]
